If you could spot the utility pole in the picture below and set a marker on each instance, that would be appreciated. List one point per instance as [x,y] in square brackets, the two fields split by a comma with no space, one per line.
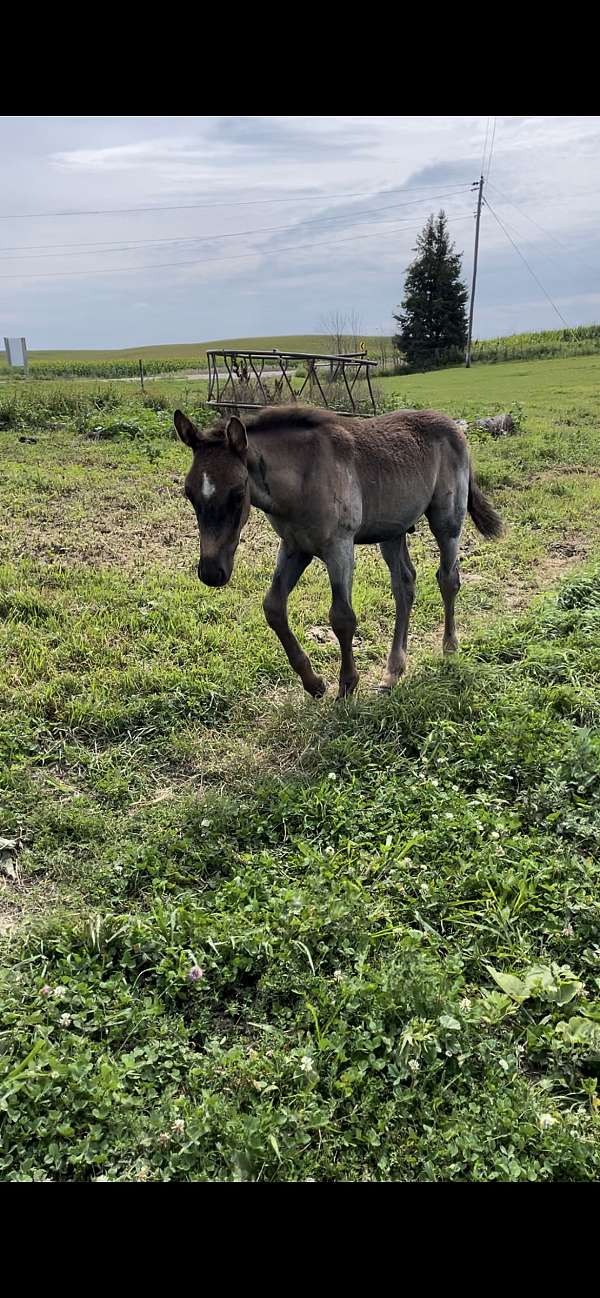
[475,255]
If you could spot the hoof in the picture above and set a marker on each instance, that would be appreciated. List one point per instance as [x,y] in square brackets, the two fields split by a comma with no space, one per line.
[389,682]
[449,647]
[316,687]
[347,688]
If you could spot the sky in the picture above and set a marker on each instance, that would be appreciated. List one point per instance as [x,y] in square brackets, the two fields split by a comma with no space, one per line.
[250,226]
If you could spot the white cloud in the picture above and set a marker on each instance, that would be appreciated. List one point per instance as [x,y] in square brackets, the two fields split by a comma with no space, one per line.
[229,166]
[122,157]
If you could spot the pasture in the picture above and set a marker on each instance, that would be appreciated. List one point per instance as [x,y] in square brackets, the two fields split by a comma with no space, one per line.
[165,357]
[247,936]
[176,357]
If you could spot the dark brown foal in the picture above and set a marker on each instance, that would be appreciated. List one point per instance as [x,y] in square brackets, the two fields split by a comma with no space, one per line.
[326,484]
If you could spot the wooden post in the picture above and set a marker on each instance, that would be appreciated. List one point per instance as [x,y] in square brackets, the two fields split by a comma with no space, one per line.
[142,374]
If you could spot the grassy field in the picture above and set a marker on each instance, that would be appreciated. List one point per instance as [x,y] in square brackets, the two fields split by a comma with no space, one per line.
[119,362]
[192,351]
[251,937]
[123,362]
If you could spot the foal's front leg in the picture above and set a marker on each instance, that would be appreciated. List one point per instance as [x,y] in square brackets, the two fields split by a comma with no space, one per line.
[340,566]
[289,568]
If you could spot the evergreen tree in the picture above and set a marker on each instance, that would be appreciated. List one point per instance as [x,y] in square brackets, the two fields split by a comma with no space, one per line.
[433,314]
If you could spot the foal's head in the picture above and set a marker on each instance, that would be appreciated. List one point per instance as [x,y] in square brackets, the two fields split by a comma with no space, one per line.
[218,487]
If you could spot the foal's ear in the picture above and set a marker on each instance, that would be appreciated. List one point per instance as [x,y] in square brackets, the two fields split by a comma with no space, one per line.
[186,429]
[235,433]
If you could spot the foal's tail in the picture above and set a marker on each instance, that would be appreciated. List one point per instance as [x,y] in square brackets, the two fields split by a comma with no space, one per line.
[486,520]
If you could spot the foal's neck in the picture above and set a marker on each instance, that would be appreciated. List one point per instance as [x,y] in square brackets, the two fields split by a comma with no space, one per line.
[260,490]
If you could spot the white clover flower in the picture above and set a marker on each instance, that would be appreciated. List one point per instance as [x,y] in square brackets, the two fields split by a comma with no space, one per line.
[465,1003]
[546,1120]
[306,1064]
[206,823]
[65,1020]
[59,992]
[337,973]
[414,1065]
[178,1127]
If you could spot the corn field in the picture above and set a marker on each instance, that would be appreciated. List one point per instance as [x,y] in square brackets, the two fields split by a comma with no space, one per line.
[581,341]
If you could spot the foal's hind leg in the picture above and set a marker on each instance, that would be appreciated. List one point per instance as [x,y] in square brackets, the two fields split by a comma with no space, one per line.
[289,568]
[340,566]
[403,575]
[446,522]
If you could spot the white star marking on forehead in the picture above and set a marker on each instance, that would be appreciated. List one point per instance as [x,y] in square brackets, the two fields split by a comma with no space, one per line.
[208,487]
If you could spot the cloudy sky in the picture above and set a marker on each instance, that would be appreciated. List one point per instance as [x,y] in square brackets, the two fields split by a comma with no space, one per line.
[241,226]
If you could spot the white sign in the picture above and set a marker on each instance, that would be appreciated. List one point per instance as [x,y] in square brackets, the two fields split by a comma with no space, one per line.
[16,352]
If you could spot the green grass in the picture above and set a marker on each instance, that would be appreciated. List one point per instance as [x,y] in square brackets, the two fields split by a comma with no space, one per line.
[393,904]
[123,362]
[192,351]
[556,394]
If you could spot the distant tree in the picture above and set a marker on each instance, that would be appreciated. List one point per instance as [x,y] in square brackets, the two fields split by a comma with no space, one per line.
[343,331]
[335,325]
[433,314]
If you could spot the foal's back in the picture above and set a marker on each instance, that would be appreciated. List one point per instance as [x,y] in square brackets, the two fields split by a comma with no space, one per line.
[406,438]
[409,441]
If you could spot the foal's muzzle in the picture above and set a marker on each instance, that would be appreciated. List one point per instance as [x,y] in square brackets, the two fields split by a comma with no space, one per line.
[213,573]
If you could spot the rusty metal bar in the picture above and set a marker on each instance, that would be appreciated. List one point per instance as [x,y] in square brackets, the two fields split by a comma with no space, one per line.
[348,388]
[350,357]
[247,369]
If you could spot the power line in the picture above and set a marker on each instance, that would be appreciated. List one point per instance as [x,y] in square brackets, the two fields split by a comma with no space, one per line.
[253,202]
[524,259]
[202,261]
[491,149]
[192,207]
[124,245]
[560,202]
[548,256]
[547,233]
[487,131]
